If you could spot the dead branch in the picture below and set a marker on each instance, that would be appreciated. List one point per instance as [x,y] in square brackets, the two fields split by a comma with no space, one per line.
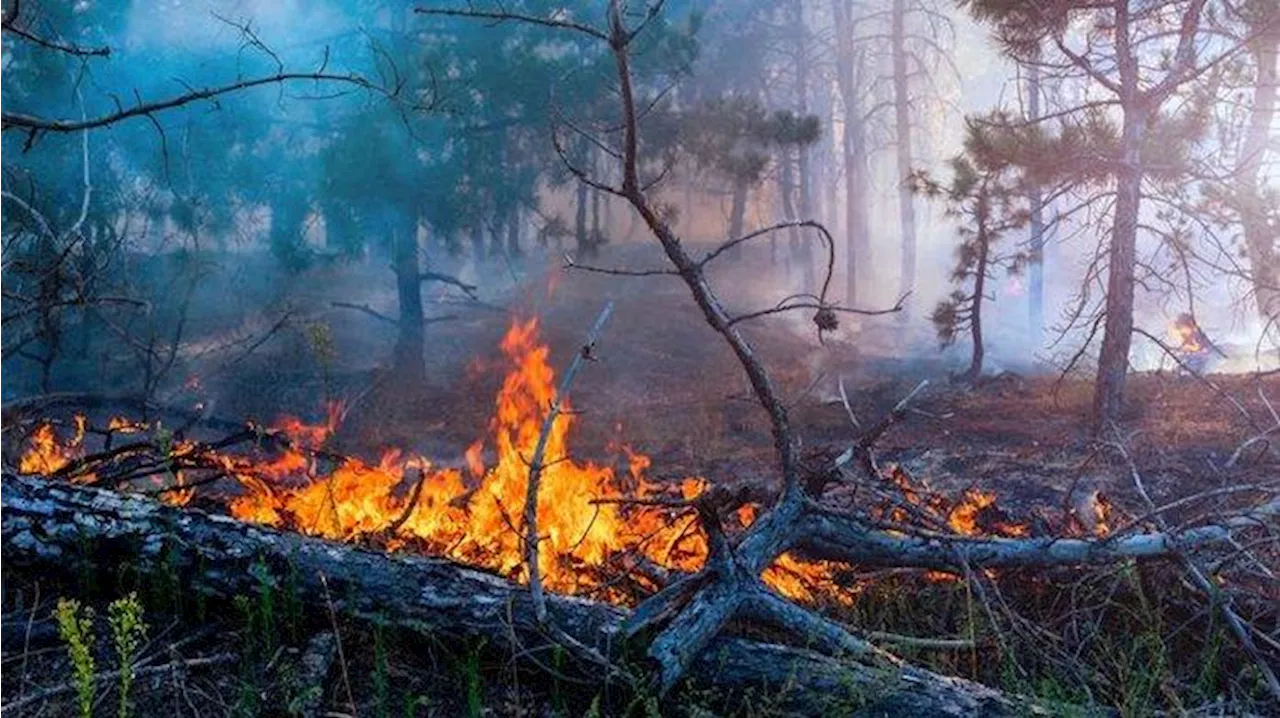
[1220,600]
[468,289]
[35,124]
[10,25]
[559,403]
[218,659]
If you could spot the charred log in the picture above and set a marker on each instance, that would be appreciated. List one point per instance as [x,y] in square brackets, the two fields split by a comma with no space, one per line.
[61,528]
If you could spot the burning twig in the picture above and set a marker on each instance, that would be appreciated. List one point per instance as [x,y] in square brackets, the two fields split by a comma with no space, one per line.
[410,505]
[536,465]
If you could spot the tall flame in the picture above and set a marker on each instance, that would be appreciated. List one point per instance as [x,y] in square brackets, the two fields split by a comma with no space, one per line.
[479,518]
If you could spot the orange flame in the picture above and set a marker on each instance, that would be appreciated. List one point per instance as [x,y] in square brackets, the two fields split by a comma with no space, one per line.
[1186,334]
[966,517]
[474,513]
[46,455]
[481,524]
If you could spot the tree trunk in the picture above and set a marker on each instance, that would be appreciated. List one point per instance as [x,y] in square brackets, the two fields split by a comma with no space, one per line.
[288,216]
[855,174]
[477,243]
[786,187]
[513,233]
[580,223]
[1260,238]
[410,344]
[596,233]
[849,78]
[902,121]
[979,286]
[78,531]
[1035,292]
[805,249]
[496,235]
[1113,361]
[738,214]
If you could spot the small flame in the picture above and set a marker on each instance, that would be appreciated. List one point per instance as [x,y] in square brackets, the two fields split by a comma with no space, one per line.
[46,455]
[1186,334]
[122,425]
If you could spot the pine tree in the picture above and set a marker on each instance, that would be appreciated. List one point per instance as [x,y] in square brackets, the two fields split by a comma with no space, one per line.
[986,195]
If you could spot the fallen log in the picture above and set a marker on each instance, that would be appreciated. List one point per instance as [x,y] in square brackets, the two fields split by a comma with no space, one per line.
[61,528]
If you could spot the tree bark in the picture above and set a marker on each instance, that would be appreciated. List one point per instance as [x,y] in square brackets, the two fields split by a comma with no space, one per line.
[802,248]
[76,531]
[513,233]
[1260,238]
[1035,292]
[738,213]
[902,122]
[580,223]
[979,286]
[1113,361]
[853,142]
[411,342]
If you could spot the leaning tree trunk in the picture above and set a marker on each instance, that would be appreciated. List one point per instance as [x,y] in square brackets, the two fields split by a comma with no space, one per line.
[902,123]
[77,531]
[1113,361]
[410,343]
[1260,237]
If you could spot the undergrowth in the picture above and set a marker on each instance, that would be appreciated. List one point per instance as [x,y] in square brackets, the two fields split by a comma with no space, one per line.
[1082,640]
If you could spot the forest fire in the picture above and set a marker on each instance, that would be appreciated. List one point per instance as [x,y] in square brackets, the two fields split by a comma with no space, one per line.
[594,521]
[472,515]
[476,519]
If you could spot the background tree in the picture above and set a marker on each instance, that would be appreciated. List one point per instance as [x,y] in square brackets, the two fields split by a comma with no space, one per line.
[984,194]
[1129,56]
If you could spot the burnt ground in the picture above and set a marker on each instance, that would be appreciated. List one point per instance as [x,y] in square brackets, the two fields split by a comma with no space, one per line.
[667,387]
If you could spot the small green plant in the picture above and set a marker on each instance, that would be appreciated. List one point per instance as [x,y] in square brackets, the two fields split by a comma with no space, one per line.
[75,627]
[128,631]
[413,703]
[261,617]
[320,337]
[471,676]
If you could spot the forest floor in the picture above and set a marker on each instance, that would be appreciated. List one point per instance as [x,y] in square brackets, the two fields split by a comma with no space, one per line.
[665,387]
